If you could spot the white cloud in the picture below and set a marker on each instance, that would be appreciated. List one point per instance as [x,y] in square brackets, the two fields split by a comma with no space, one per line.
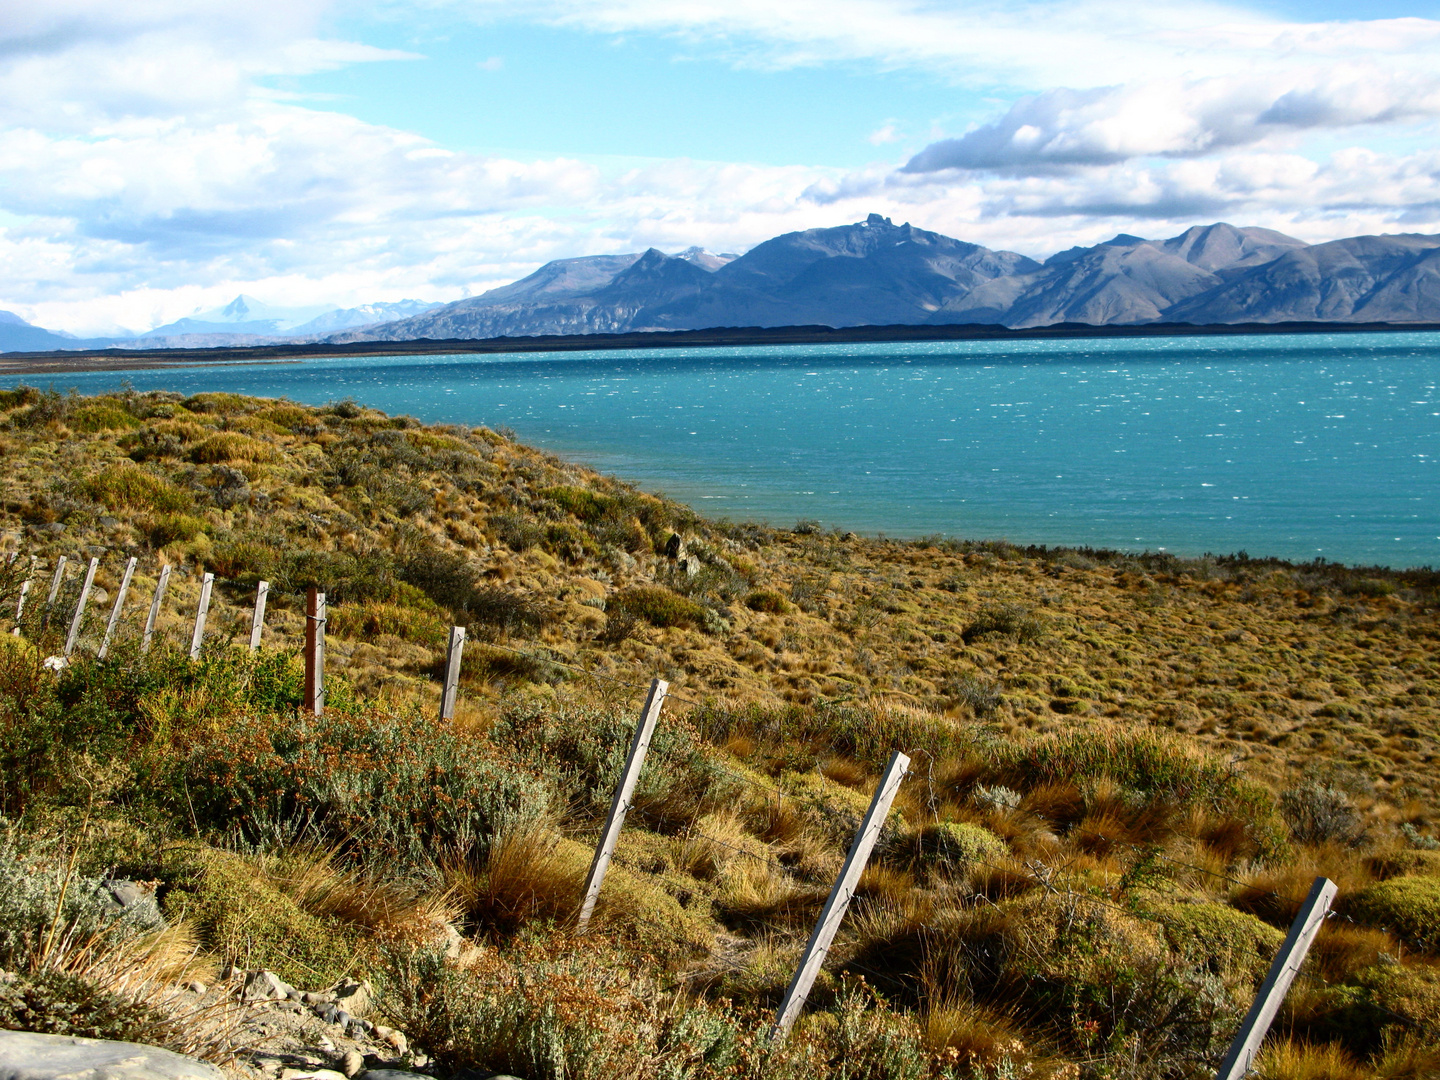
[1063,128]
[1030,43]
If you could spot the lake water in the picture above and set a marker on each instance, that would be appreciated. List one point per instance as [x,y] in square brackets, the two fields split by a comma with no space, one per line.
[1296,446]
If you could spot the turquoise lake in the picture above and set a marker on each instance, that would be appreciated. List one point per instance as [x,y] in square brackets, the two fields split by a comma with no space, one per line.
[1298,446]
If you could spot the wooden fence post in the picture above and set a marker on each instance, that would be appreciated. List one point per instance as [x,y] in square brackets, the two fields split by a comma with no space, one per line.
[257,621]
[24,592]
[315,651]
[115,611]
[454,648]
[840,895]
[54,590]
[202,610]
[74,634]
[1282,973]
[160,585]
[639,746]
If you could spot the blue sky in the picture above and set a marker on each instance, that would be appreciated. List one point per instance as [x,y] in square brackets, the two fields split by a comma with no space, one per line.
[157,158]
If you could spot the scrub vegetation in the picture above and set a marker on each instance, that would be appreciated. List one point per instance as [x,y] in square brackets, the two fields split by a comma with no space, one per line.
[1126,769]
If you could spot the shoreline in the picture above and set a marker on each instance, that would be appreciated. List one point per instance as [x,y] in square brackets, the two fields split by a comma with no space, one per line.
[117,359]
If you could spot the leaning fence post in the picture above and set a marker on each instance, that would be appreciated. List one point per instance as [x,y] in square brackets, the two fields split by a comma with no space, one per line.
[257,621]
[24,592]
[202,610]
[115,611]
[154,615]
[834,912]
[74,634]
[453,650]
[639,746]
[54,589]
[315,651]
[1282,973]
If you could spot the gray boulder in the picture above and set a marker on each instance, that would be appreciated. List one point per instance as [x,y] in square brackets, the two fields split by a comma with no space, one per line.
[27,1056]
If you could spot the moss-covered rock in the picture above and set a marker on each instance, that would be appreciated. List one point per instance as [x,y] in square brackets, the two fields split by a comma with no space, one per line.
[1409,907]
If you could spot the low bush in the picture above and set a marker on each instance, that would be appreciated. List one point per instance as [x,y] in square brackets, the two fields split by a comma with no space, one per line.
[240,914]
[228,446]
[373,618]
[767,601]
[1318,814]
[53,1002]
[1004,620]
[589,506]
[124,486]
[659,606]
[383,784]
[1409,907]
[102,416]
[163,529]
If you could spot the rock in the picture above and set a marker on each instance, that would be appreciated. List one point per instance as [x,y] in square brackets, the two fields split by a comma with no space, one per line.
[392,1037]
[311,1074]
[675,546]
[55,663]
[107,522]
[352,996]
[27,1056]
[265,986]
[351,1063]
[392,1074]
[54,528]
[195,986]
[136,899]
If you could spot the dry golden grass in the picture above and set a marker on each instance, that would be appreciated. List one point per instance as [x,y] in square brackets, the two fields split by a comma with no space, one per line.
[1287,1060]
[528,874]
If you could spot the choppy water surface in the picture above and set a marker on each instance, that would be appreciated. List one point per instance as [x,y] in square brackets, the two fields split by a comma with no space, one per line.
[1297,446]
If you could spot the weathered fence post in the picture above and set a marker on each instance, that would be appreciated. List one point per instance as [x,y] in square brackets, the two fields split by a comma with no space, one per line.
[840,895]
[315,651]
[24,592]
[160,585]
[639,746]
[257,620]
[74,634]
[119,604]
[202,610]
[1282,973]
[454,648]
[54,590]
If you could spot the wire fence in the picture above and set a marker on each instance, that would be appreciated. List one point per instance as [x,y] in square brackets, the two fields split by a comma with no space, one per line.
[39,616]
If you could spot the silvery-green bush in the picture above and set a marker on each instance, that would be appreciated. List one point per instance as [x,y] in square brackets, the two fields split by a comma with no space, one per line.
[31,888]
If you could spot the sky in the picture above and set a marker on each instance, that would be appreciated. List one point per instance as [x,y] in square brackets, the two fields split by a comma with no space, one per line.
[158,157]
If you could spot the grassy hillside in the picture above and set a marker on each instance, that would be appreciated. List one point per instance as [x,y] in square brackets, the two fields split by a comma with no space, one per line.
[1127,769]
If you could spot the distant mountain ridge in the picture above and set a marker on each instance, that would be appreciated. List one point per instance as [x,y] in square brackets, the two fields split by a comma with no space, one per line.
[877,273]
[871,273]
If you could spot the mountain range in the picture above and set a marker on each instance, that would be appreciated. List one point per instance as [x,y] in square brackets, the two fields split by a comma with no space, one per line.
[873,273]
[879,273]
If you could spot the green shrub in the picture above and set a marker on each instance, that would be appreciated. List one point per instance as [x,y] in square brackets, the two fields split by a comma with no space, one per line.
[659,606]
[569,542]
[124,486]
[767,601]
[1004,620]
[218,402]
[959,843]
[451,581]
[246,920]
[1318,814]
[169,528]
[516,532]
[588,506]
[583,748]
[102,416]
[1409,907]
[388,786]
[53,1002]
[1228,942]
[372,618]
